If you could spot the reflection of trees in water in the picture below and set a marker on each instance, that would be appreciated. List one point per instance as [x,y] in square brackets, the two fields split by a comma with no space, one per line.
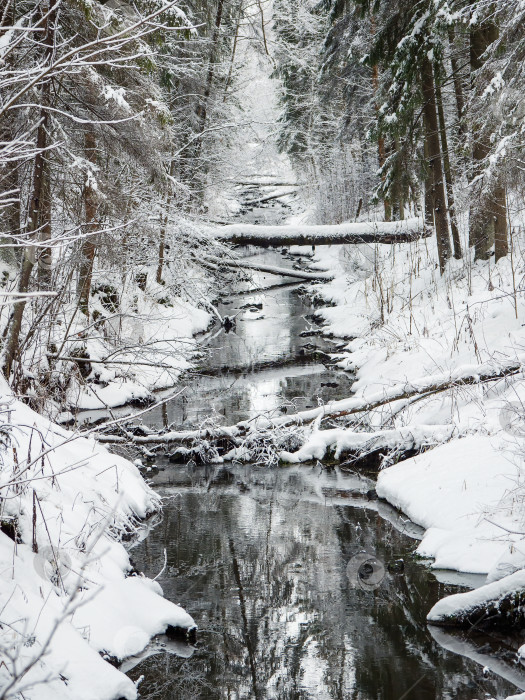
[263,572]
[167,677]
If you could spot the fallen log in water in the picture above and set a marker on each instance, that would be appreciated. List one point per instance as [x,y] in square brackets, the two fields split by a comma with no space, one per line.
[170,437]
[461,376]
[420,388]
[267,198]
[500,603]
[366,232]
[271,269]
[357,447]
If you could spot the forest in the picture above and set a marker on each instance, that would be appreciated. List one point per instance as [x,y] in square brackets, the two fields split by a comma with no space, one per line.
[262,348]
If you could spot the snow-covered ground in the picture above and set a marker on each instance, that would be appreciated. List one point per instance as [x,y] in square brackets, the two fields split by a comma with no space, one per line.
[139,336]
[153,343]
[409,325]
[67,590]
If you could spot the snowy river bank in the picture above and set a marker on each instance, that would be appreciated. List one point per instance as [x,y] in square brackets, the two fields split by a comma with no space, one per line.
[264,558]
[268,562]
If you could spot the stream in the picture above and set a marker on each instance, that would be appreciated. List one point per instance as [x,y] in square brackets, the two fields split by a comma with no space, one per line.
[302,584]
[267,560]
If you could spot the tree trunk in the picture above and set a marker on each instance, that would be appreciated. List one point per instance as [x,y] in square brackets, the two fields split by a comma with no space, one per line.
[29,254]
[162,241]
[429,187]
[200,168]
[381,151]
[203,107]
[448,175]
[501,241]
[434,156]
[397,189]
[234,51]
[9,176]
[9,182]
[482,35]
[88,245]
[45,256]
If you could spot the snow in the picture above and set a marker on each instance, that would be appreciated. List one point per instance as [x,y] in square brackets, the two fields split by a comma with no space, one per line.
[456,492]
[339,440]
[143,331]
[410,328]
[463,603]
[294,231]
[84,499]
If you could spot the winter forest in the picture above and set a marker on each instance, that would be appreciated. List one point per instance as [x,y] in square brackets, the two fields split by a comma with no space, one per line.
[262,349]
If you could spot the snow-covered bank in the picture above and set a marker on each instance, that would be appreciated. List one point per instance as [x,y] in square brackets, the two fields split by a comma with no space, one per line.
[409,323]
[501,597]
[465,493]
[67,590]
[155,344]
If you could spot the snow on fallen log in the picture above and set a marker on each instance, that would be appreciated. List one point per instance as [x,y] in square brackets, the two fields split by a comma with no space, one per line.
[271,269]
[347,443]
[465,375]
[303,234]
[499,603]
[171,436]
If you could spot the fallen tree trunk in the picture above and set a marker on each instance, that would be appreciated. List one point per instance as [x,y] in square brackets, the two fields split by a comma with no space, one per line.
[170,437]
[268,198]
[271,269]
[463,376]
[367,232]
[501,603]
[267,183]
[109,361]
[353,446]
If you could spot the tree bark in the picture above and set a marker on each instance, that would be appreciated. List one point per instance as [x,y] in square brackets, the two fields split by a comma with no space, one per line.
[45,256]
[501,241]
[234,51]
[9,182]
[88,245]
[429,187]
[381,151]
[482,222]
[434,156]
[29,254]
[9,177]
[203,107]
[448,175]
[163,230]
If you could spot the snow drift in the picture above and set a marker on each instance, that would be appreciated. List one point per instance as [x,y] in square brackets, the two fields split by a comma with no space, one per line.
[67,590]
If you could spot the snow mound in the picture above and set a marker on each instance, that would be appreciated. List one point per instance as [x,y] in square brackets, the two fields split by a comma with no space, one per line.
[66,593]
[461,492]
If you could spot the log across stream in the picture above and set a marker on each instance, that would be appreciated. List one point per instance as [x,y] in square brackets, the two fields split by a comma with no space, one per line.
[269,561]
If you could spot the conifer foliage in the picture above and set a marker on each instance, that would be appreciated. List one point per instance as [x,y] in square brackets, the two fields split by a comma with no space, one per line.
[432,94]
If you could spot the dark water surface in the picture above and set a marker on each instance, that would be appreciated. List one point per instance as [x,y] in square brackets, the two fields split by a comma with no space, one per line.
[263,559]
